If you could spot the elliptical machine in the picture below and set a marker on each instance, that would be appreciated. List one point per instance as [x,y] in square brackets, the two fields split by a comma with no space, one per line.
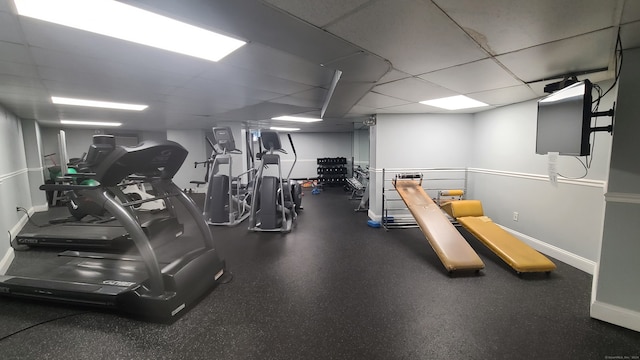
[227,202]
[274,200]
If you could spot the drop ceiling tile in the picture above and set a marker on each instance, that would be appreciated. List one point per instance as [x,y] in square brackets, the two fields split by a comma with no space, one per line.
[413,90]
[18,69]
[275,63]
[8,81]
[414,35]
[472,77]
[393,75]
[508,25]
[312,98]
[361,110]
[16,53]
[631,11]
[505,96]
[586,52]
[413,108]
[9,28]
[218,89]
[250,78]
[374,100]
[318,13]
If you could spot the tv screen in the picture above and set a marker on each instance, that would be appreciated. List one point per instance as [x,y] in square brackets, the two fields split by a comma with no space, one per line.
[564,121]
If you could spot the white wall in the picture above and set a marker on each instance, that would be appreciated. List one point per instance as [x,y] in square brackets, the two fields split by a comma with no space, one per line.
[310,147]
[194,141]
[507,176]
[416,141]
[14,182]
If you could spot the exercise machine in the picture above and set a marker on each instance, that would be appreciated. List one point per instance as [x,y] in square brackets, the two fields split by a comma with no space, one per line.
[154,281]
[275,200]
[227,200]
[89,225]
[452,249]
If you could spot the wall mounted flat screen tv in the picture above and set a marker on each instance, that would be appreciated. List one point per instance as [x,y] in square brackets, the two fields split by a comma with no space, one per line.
[564,121]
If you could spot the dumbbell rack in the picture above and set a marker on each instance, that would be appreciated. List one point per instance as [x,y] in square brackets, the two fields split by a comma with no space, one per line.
[332,171]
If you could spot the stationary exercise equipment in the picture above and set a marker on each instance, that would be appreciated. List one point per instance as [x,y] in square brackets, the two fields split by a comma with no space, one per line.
[227,200]
[452,249]
[89,225]
[517,254]
[275,200]
[156,281]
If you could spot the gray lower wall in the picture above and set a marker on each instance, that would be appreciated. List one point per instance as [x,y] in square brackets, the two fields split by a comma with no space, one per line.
[617,286]
[14,178]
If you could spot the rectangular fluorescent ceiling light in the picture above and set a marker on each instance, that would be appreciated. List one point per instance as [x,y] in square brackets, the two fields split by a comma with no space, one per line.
[90,123]
[296,118]
[122,21]
[454,103]
[97,103]
[277,128]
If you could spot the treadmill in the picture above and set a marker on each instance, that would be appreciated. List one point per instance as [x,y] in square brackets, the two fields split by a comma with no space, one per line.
[155,280]
[75,234]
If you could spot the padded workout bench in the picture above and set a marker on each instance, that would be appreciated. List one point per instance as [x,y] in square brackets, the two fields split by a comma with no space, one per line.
[452,249]
[517,254]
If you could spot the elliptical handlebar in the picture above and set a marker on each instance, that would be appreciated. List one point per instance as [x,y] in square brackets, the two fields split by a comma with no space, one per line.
[295,156]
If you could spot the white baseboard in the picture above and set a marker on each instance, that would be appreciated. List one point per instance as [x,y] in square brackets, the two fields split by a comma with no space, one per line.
[39,208]
[6,261]
[616,315]
[565,256]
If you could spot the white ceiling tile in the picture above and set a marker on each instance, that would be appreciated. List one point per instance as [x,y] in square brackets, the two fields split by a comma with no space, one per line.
[374,100]
[318,13]
[472,77]
[249,78]
[16,53]
[362,110]
[413,108]
[393,75]
[631,11]
[414,35]
[507,25]
[279,64]
[9,28]
[586,52]
[18,69]
[413,90]
[505,96]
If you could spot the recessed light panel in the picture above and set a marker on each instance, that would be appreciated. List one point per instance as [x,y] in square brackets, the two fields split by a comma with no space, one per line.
[454,103]
[277,128]
[296,119]
[97,103]
[89,123]
[122,21]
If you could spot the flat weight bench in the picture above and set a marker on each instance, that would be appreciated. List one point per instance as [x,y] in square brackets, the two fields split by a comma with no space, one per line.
[517,254]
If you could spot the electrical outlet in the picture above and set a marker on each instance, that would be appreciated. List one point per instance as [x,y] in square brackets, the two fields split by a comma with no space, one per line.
[18,208]
[515,216]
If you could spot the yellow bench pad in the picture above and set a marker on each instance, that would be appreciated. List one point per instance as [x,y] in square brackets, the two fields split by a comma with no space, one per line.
[452,249]
[517,254]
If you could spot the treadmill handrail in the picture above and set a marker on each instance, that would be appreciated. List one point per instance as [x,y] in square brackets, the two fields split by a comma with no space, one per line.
[67,187]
